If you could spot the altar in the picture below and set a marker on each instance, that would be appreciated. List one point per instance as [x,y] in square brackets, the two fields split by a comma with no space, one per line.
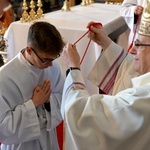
[72,25]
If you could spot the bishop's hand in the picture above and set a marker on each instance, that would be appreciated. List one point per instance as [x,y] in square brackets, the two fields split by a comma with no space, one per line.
[98,34]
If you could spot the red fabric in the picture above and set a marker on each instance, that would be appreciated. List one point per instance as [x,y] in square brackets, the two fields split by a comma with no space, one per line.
[59,129]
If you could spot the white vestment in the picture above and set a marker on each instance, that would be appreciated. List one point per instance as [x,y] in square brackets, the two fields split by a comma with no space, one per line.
[104,122]
[22,126]
[127,12]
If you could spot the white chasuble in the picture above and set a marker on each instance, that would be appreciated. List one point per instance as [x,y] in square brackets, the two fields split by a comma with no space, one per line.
[113,70]
[104,122]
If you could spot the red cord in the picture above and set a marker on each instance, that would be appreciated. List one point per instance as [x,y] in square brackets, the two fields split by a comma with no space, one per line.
[85,51]
[93,24]
[80,38]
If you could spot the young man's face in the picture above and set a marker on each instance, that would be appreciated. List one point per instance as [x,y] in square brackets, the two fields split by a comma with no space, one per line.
[141,52]
[41,60]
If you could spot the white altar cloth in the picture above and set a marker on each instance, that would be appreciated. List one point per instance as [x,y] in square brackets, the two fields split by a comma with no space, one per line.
[72,25]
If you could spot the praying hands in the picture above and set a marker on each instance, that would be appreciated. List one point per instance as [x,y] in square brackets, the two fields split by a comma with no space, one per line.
[41,93]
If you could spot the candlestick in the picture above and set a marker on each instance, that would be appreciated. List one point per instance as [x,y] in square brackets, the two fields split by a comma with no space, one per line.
[83,3]
[66,6]
[32,12]
[25,16]
[40,11]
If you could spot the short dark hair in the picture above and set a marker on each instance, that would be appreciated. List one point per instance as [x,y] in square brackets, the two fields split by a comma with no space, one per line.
[44,37]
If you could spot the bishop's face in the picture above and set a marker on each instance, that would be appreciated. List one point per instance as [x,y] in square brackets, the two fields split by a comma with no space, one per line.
[141,52]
